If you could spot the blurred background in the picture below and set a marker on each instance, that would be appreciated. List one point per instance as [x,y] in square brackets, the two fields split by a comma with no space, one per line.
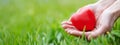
[38,22]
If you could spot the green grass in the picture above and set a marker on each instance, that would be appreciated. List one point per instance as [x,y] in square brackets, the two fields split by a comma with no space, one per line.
[38,22]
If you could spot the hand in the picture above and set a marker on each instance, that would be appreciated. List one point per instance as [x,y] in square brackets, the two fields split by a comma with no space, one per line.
[105,16]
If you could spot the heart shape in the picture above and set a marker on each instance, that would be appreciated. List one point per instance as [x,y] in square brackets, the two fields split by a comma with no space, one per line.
[85,17]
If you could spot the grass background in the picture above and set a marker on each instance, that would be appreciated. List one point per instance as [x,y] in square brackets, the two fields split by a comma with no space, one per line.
[38,22]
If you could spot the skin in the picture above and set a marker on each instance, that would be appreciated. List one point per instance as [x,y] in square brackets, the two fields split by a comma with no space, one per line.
[106,13]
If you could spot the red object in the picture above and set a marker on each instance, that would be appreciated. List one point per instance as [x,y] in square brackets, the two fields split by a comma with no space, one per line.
[85,17]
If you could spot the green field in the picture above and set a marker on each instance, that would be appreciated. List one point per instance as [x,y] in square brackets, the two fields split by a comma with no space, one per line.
[38,22]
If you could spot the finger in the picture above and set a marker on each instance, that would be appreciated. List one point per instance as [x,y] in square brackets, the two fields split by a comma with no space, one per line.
[65,26]
[66,22]
[77,33]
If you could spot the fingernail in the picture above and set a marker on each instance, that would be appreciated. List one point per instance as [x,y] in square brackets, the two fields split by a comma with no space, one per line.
[89,37]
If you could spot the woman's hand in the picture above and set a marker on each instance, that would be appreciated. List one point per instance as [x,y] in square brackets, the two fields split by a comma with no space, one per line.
[105,13]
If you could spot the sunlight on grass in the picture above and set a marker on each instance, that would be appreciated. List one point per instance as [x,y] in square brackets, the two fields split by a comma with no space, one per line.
[38,22]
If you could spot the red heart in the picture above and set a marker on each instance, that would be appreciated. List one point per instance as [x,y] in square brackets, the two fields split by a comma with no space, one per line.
[85,17]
